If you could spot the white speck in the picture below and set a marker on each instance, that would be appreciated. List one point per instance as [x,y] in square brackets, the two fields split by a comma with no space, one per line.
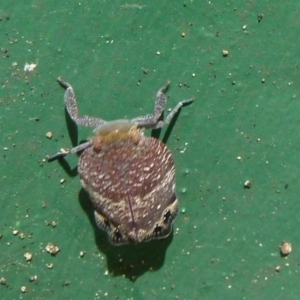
[29,67]
[183,150]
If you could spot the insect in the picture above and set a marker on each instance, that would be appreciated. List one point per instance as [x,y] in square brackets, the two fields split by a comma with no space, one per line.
[129,177]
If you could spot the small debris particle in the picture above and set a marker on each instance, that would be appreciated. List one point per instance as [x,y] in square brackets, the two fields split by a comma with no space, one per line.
[260,17]
[64,150]
[34,279]
[277,269]
[34,119]
[3,281]
[62,181]
[24,289]
[285,248]
[49,135]
[50,265]
[66,283]
[247,184]
[183,190]
[22,235]
[52,249]
[225,53]
[145,71]
[51,223]
[15,232]
[28,256]
[29,67]
[82,254]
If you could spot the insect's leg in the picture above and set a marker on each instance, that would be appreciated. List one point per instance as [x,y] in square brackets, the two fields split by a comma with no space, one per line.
[71,151]
[161,100]
[174,111]
[71,106]
[150,121]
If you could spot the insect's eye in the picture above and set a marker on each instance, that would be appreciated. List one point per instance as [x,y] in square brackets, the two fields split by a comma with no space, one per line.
[107,223]
[117,235]
[167,216]
[157,229]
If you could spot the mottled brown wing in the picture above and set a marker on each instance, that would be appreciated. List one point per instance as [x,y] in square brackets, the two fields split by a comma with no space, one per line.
[132,185]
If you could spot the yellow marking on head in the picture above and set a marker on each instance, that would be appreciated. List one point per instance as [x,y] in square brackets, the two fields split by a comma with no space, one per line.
[116,134]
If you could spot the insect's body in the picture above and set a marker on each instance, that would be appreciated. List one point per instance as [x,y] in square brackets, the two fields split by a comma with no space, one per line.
[129,177]
[130,180]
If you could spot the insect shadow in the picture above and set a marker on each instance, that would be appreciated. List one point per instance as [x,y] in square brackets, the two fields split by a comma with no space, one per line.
[72,129]
[155,133]
[129,260]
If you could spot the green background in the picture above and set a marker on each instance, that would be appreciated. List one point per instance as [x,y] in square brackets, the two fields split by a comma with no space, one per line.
[225,241]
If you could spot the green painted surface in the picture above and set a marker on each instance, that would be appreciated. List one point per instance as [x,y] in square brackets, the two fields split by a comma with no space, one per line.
[225,242]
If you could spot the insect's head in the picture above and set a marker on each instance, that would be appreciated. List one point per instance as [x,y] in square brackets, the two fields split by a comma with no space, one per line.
[114,127]
[114,131]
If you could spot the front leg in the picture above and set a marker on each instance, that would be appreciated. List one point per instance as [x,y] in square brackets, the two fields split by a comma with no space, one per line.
[71,106]
[149,121]
[174,111]
[152,121]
